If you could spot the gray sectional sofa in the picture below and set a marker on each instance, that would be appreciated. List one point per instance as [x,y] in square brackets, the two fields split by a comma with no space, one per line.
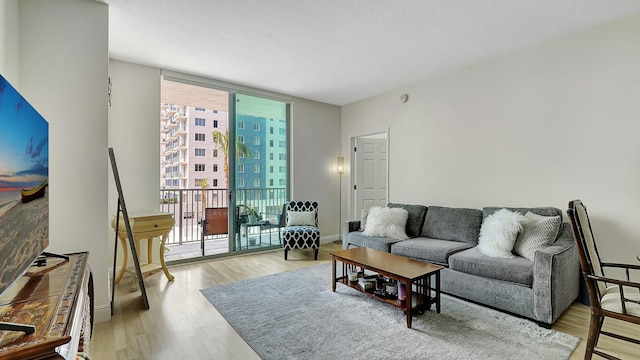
[540,290]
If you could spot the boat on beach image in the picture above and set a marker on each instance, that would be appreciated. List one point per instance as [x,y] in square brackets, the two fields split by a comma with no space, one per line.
[33,193]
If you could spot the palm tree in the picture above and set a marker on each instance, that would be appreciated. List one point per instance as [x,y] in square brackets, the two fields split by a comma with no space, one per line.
[204,184]
[222,141]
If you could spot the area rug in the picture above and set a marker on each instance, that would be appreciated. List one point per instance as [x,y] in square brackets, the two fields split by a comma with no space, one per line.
[295,315]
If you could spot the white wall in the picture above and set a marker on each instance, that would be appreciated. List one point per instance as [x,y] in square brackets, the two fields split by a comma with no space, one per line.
[134,135]
[556,122]
[315,146]
[9,44]
[63,73]
[134,128]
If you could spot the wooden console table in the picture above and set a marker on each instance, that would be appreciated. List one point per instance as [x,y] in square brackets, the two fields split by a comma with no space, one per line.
[59,303]
[145,226]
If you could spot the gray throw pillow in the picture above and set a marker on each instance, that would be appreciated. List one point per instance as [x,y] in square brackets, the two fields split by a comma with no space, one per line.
[538,233]
[363,218]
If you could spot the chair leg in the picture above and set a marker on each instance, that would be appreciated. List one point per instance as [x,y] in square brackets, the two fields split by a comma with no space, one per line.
[315,254]
[600,322]
[285,254]
[594,332]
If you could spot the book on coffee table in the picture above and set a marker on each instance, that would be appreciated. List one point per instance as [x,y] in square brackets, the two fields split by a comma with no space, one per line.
[367,284]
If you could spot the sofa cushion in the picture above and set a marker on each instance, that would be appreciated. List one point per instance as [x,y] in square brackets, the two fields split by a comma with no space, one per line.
[515,270]
[416,217]
[544,211]
[431,250]
[456,224]
[372,242]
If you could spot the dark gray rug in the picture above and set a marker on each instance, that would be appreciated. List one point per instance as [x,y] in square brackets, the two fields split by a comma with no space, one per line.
[294,315]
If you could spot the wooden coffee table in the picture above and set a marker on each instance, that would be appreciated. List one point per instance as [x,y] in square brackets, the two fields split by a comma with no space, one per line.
[417,276]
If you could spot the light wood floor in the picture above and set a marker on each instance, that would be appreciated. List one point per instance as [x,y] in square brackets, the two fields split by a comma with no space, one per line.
[182,324]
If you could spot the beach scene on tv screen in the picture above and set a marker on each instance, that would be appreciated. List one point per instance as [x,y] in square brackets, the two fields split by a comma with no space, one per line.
[24,193]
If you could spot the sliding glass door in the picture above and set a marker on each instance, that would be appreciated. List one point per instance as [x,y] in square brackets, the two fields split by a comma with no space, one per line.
[260,177]
[224,168]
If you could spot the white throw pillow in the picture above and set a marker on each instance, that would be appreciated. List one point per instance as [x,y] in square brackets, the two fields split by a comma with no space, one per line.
[301,218]
[387,222]
[538,233]
[498,233]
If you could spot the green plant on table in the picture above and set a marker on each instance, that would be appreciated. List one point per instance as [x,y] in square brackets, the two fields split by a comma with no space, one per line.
[246,210]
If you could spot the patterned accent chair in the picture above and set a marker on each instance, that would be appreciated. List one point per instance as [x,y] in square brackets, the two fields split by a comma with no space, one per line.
[302,230]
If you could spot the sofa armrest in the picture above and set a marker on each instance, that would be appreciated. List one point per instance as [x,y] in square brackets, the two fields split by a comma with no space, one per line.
[347,227]
[556,277]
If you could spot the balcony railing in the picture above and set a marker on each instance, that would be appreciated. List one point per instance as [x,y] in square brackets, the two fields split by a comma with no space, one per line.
[173,175]
[187,205]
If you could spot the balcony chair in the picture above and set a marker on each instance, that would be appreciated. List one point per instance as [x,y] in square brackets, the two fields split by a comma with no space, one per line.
[610,297]
[216,222]
[302,230]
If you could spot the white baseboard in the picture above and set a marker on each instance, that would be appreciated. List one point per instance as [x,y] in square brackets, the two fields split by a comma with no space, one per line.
[102,313]
[329,239]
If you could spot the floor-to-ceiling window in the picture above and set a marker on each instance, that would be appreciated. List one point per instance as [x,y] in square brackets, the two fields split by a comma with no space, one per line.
[224,158]
[261,169]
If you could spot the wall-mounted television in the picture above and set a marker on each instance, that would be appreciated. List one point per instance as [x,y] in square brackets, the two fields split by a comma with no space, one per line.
[24,193]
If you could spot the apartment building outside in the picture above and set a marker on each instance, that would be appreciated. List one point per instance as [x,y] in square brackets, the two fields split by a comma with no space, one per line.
[266,139]
[189,153]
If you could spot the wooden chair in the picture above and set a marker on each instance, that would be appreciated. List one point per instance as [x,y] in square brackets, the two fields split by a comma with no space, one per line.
[610,297]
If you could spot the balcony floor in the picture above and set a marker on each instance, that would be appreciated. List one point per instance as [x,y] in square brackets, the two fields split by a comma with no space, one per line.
[217,245]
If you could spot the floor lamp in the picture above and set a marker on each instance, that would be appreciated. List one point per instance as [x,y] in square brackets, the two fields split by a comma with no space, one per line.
[340,168]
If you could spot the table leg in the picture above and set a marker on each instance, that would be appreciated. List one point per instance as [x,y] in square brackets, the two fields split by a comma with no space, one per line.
[149,250]
[246,236]
[409,303]
[438,292]
[164,266]
[270,236]
[333,273]
[429,289]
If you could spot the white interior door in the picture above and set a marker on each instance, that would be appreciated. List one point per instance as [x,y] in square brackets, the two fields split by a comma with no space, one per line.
[371,173]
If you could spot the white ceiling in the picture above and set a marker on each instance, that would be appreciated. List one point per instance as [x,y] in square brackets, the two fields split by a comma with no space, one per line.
[339,51]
